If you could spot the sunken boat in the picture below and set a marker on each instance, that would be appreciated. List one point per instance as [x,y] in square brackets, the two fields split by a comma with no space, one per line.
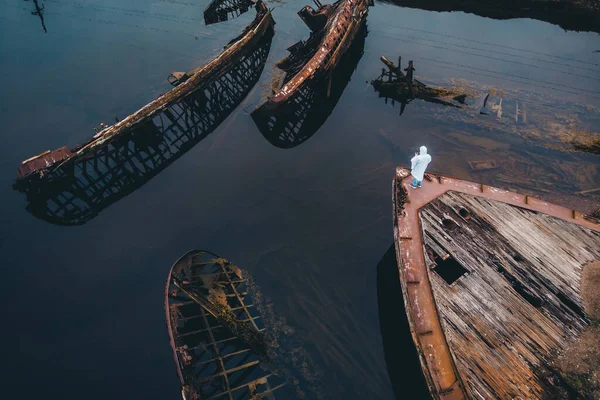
[222,342]
[298,119]
[403,88]
[500,290]
[70,187]
[334,27]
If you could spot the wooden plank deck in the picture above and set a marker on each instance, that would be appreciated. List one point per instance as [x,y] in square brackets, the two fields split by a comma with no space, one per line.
[489,333]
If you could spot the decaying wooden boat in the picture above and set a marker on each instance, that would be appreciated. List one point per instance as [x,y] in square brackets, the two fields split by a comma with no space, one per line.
[45,165]
[80,190]
[221,346]
[403,88]
[500,290]
[334,28]
[298,119]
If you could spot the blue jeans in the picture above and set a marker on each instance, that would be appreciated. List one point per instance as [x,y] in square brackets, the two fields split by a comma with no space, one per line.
[416,182]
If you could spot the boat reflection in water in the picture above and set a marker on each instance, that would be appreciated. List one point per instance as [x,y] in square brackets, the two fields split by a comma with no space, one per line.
[77,191]
[294,121]
[226,341]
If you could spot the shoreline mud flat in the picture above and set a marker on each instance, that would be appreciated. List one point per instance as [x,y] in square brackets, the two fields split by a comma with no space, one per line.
[573,15]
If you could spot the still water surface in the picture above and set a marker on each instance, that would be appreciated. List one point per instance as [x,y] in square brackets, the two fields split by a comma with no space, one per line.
[83,305]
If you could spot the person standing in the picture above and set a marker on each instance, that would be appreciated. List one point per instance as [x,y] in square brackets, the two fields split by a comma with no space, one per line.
[418,164]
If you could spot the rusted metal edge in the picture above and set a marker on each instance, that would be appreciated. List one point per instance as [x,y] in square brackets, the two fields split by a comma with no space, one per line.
[167,311]
[437,360]
[262,23]
[340,31]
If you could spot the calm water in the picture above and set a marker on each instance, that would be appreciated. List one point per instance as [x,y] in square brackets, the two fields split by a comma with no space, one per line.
[83,305]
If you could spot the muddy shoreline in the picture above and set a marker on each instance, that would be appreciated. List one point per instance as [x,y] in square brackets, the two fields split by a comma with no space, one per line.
[572,15]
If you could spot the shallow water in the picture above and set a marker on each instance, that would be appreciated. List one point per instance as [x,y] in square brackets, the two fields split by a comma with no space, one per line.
[83,305]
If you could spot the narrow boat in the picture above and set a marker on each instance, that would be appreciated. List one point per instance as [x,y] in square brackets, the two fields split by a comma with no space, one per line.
[225,340]
[334,28]
[49,165]
[500,290]
[300,117]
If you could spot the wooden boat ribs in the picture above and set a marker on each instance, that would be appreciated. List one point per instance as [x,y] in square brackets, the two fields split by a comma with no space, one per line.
[78,184]
[218,335]
[261,26]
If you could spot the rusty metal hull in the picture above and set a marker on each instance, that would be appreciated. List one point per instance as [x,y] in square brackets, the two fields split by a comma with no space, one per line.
[488,330]
[340,31]
[298,119]
[262,25]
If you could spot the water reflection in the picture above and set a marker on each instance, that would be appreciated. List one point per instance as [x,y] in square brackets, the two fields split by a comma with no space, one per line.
[400,353]
[221,10]
[79,190]
[300,117]
[39,11]
[577,16]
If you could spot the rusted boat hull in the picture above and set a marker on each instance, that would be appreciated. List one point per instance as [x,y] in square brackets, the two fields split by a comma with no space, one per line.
[234,51]
[327,47]
[491,282]
[298,119]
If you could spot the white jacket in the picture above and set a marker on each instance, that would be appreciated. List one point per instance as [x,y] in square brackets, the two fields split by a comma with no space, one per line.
[419,163]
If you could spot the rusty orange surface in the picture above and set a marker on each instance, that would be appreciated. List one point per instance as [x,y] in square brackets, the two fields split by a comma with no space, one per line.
[435,355]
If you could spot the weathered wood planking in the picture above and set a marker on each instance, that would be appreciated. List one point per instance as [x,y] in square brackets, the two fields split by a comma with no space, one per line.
[520,301]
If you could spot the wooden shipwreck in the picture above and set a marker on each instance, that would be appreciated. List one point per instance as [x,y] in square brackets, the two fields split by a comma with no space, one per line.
[186,84]
[402,87]
[494,288]
[218,335]
[334,28]
[296,120]
[70,187]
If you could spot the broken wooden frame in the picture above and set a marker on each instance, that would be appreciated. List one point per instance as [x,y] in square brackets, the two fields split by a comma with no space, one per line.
[236,49]
[216,332]
[429,328]
[395,85]
[300,117]
[78,191]
[334,29]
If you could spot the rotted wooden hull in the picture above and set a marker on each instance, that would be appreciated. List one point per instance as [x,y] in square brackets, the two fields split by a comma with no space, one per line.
[217,333]
[494,286]
[328,46]
[42,166]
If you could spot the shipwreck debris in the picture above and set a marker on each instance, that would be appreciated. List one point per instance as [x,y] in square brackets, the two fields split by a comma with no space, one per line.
[483,165]
[514,300]
[404,88]
[334,29]
[300,117]
[70,187]
[222,10]
[220,339]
